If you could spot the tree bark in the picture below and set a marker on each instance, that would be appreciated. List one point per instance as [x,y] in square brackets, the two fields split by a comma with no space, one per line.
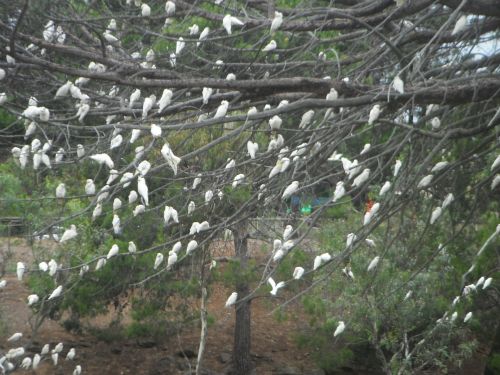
[204,330]
[242,329]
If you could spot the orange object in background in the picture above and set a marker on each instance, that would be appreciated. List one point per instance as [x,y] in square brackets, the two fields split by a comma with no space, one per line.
[368,206]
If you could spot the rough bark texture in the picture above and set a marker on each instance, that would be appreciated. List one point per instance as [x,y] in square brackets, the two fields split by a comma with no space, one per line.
[242,329]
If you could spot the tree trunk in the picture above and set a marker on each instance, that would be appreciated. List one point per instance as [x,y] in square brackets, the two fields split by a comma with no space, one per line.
[204,329]
[242,328]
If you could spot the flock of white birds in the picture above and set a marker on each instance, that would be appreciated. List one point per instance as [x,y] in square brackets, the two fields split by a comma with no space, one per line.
[356,175]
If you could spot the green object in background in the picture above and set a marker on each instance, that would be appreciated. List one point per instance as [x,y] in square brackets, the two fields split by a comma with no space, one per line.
[306,210]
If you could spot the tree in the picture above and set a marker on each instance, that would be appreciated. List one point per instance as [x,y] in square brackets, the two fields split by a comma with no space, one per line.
[383,104]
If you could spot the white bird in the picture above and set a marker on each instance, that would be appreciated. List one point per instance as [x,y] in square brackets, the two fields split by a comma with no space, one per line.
[100,264]
[252,148]
[45,349]
[374,114]
[111,25]
[203,226]
[132,248]
[459,25]
[61,191]
[203,36]
[425,181]
[397,167]
[145,10]
[194,29]
[64,89]
[49,31]
[32,299]
[155,131]
[439,166]
[362,178]
[191,207]
[206,93]
[487,282]
[132,196]
[298,272]
[148,103]
[191,246]
[134,97]
[15,337]
[126,179]
[71,354]
[407,295]
[287,232]
[172,160]
[237,180]
[172,259]
[52,266]
[277,21]
[436,214]
[80,151]
[271,46]
[82,112]
[229,21]
[170,213]
[135,135]
[103,159]
[26,363]
[435,123]
[222,109]
[373,264]
[495,163]
[306,119]
[69,234]
[176,248]
[232,299]
[468,317]
[142,188]
[36,361]
[385,188]
[43,266]
[398,85]
[55,358]
[116,142]
[2,74]
[196,182]
[480,281]
[110,38]
[97,211]
[339,191]
[275,122]
[495,182]
[143,168]
[179,46]
[365,149]
[275,287]
[3,284]
[56,292]
[158,260]
[77,370]
[113,251]
[208,196]
[371,213]
[340,329]
[290,190]
[318,260]
[170,8]
[165,100]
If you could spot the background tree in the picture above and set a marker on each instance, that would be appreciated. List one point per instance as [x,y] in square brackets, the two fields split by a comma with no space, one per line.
[382,117]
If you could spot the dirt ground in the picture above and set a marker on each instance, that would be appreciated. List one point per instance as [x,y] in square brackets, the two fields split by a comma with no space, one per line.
[273,347]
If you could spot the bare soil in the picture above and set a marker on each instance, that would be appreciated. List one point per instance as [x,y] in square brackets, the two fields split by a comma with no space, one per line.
[273,347]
